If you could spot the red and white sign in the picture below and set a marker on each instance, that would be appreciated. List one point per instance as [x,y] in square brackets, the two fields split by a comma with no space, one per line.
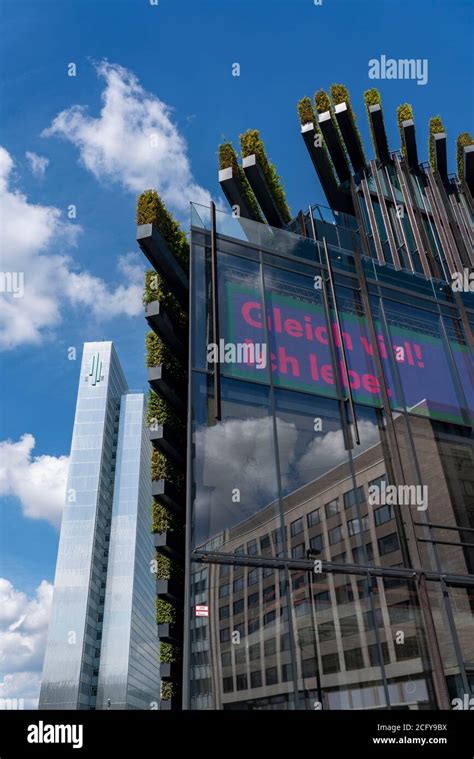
[202,611]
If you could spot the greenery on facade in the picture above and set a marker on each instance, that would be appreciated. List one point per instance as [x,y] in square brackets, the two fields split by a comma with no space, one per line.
[152,210]
[167,569]
[372,97]
[158,353]
[251,143]
[436,127]
[157,289]
[463,140]
[167,691]
[404,113]
[340,94]
[322,102]
[160,412]
[163,469]
[162,519]
[165,612]
[306,113]
[228,159]
[168,653]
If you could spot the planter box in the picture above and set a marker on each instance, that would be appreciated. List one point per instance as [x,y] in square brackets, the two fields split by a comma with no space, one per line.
[170,590]
[164,439]
[349,136]
[254,173]
[162,325]
[379,133]
[336,199]
[441,161]
[334,147]
[410,144]
[169,544]
[165,706]
[167,493]
[166,384]
[232,189]
[469,167]
[164,262]
[170,671]
[169,633]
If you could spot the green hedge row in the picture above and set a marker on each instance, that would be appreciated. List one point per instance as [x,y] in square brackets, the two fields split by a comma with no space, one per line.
[251,143]
[372,97]
[157,352]
[160,412]
[435,127]
[169,653]
[163,469]
[156,289]
[165,612]
[340,94]
[151,210]
[404,113]
[167,691]
[322,104]
[462,141]
[162,519]
[228,159]
[166,568]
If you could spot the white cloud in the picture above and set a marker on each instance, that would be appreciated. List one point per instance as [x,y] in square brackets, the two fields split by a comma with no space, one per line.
[23,633]
[133,141]
[39,482]
[32,241]
[38,164]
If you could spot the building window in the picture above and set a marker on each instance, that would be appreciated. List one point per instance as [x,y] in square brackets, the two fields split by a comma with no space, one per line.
[374,654]
[297,527]
[224,635]
[254,652]
[349,625]
[326,631]
[383,514]
[330,663]
[254,625]
[228,684]
[265,544]
[388,544]
[224,590]
[269,594]
[285,642]
[314,517]
[224,570]
[224,612]
[252,548]
[344,594]
[270,647]
[298,552]
[256,679]
[316,543]
[286,673]
[340,558]
[238,584]
[335,535]
[239,606]
[252,577]
[354,658]
[353,526]
[241,681]
[308,667]
[226,659]
[240,551]
[269,618]
[407,650]
[253,600]
[271,676]
[322,599]
[331,508]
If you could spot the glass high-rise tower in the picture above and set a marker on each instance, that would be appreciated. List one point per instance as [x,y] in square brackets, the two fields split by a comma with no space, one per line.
[102,649]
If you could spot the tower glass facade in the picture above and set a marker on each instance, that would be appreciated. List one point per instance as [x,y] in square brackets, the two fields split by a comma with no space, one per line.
[331,491]
[102,649]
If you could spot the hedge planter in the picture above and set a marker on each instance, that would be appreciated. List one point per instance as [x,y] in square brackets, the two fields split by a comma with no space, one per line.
[256,177]
[170,671]
[464,140]
[163,325]
[440,155]
[169,633]
[170,590]
[379,135]
[165,440]
[165,383]
[169,544]
[163,260]
[469,167]
[350,136]
[169,494]
[252,144]
[338,200]
[235,192]
[333,144]
[409,138]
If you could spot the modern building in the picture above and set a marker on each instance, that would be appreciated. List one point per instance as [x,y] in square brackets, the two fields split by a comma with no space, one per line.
[329,552]
[102,650]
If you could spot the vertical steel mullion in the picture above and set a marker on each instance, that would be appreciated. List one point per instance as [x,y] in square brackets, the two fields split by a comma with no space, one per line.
[215,313]
[454,371]
[454,635]
[346,432]
[385,215]
[369,580]
[341,340]
[372,220]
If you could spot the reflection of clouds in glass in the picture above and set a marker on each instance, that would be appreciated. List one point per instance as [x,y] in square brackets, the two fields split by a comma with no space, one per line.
[327,451]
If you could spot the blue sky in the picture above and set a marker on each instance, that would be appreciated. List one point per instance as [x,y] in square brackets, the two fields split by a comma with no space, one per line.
[79,272]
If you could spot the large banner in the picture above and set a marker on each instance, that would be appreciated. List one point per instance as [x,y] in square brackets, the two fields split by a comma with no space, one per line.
[300,357]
